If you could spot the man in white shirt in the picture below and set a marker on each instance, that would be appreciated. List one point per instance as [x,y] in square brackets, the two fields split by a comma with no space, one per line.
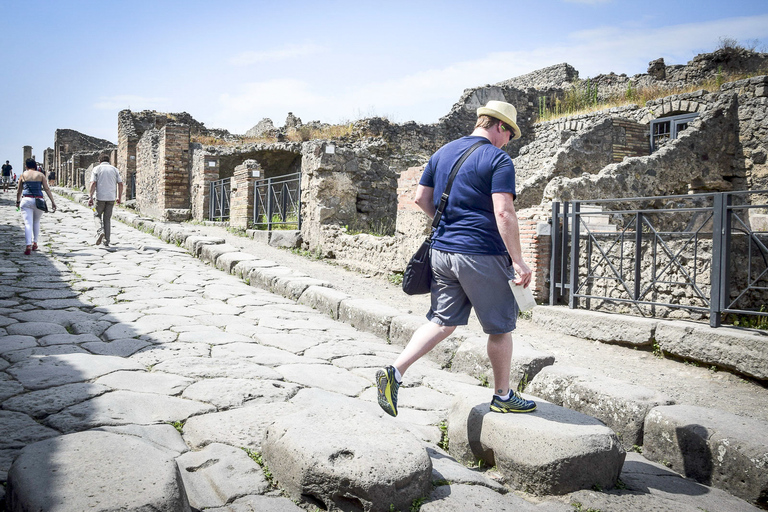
[107,185]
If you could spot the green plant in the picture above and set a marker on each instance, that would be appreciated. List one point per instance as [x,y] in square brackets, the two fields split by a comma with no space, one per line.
[258,459]
[597,487]
[578,507]
[657,350]
[523,383]
[443,426]
[526,315]
[620,485]
[636,448]
[484,381]
[236,231]
[442,481]
[416,504]
[395,278]
[178,425]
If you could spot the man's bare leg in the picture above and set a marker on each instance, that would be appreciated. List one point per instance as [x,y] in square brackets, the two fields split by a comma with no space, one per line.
[423,340]
[500,353]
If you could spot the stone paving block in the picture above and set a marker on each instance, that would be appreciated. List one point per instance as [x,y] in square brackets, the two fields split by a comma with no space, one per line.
[368,315]
[552,450]
[218,474]
[402,327]
[712,447]
[95,471]
[620,405]
[243,427]
[146,382]
[206,368]
[325,376]
[342,468]
[36,329]
[229,393]
[268,356]
[9,388]
[253,503]
[459,497]
[652,486]
[739,350]
[447,469]
[40,404]
[55,370]
[66,338]
[18,430]
[24,354]
[17,342]
[120,347]
[165,437]
[123,408]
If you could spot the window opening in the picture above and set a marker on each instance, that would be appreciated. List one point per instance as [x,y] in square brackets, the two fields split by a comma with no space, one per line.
[667,128]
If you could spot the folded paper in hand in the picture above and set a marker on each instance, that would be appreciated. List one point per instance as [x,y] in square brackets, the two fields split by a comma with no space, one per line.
[523,296]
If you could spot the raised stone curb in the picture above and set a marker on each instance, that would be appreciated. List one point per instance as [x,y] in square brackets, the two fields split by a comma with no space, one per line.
[596,326]
[210,253]
[325,300]
[552,450]
[712,447]
[95,471]
[293,287]
[621,406]
[194,244]
[740,350]
[228,261]
[368,315]
[342,468]
[290,239]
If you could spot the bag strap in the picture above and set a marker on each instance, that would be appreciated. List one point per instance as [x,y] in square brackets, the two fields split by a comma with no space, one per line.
[447,191]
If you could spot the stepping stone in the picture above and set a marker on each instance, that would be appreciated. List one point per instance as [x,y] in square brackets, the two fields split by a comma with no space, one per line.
[620,405]
[218,474]
[713,447]
[552,450]
[365,465]
[95,471]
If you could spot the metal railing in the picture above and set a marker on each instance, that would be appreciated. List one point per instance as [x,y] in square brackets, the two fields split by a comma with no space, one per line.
[218,199]
[697,252]
[277,202]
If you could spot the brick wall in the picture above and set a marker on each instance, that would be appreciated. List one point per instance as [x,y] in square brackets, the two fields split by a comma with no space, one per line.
[241,198]
[535,241]
[630,139]
[174,177]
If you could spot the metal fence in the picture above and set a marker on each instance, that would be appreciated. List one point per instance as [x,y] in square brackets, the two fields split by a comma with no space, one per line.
[697,252]
[277,202]
[218,199]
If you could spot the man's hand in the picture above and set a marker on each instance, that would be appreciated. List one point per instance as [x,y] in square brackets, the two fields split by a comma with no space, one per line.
[90,201]
[117,200]
[522,273]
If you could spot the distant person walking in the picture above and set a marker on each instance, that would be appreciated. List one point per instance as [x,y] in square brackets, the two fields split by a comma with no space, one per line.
[106,188]
[30,188]
[475,252]
[7,168]
[52,178]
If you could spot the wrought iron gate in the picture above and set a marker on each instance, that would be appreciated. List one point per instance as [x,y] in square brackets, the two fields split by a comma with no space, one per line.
[277,202]
[698,252]
[218,199]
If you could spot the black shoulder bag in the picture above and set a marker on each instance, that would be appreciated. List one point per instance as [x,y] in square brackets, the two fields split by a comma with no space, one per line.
[417,278]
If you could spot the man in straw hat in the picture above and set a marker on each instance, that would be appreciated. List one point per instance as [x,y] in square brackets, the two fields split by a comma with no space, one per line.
[475,252]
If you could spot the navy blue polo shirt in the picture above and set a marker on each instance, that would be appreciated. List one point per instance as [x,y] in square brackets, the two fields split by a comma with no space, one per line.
[468,224]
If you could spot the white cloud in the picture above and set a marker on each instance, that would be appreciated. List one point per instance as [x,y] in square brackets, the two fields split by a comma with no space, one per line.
[133,102]
[286,53]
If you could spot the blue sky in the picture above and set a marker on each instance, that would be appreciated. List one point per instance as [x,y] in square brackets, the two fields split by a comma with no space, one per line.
[76,64]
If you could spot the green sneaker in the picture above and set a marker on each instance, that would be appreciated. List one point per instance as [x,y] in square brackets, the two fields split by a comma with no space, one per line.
[516,403]
[388,386]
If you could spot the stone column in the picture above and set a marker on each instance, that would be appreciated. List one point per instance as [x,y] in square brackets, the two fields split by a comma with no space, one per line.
[241,199]
[27,154]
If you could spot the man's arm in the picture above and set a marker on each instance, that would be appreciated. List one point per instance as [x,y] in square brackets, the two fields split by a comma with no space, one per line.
[506,221]
[425,200]
[90,194]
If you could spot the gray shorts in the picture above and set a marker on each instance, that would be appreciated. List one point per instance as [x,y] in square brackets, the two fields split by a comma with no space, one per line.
[463,281]
[6,179]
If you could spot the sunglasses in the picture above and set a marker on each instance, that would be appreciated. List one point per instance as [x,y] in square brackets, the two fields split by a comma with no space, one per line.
[508,128]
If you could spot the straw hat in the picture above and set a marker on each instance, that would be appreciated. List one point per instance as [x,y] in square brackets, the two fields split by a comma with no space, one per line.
[502,111]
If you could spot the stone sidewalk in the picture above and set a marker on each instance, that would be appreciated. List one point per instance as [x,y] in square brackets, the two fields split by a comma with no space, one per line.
[140,376]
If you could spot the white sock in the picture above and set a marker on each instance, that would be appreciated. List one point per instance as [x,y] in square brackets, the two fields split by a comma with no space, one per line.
[506,397]
[398,377]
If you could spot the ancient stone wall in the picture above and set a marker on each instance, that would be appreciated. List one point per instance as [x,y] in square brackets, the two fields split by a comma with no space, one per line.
[73,150]
[149,162]
[242,194]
